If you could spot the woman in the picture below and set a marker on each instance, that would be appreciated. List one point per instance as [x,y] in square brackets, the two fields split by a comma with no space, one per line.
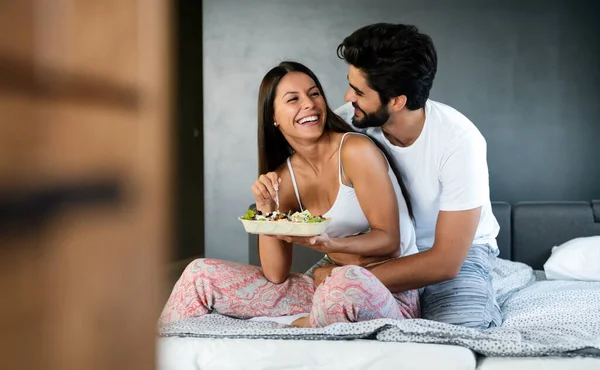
[313,161]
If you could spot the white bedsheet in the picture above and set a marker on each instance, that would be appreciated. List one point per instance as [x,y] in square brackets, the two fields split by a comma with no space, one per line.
[175,353]
[538,363]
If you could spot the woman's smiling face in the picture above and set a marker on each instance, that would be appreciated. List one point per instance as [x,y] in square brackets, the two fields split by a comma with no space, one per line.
[300,109]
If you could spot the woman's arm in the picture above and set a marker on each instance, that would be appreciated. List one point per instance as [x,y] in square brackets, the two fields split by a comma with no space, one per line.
[367,170]
[275,258]
[275,255]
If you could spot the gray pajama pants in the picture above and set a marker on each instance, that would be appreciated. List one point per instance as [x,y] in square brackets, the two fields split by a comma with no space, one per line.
[469,299]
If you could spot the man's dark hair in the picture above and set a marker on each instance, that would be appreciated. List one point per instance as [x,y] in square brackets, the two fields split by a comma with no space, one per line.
[396,59]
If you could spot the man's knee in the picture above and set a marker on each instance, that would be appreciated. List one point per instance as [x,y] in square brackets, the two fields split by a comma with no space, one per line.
[464,302]
[467,300]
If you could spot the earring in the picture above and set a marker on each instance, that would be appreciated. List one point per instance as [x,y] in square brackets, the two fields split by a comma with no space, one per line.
[275,124]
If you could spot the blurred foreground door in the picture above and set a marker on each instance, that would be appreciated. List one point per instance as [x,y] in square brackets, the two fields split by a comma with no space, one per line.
[84,181]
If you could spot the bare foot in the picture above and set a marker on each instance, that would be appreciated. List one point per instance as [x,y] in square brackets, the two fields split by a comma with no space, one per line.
[301,322]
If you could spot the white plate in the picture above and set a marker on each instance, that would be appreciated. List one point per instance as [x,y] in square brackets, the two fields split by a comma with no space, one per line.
[285,227]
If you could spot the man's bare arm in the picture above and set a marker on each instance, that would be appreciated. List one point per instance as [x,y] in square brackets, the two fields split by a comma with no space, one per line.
[454,234]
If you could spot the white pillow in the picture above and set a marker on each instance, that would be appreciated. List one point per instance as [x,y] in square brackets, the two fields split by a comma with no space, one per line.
[577,259]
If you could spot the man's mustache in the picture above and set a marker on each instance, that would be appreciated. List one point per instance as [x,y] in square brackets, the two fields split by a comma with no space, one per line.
[357,107]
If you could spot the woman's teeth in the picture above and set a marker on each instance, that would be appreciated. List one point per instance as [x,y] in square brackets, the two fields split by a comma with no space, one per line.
[309,119]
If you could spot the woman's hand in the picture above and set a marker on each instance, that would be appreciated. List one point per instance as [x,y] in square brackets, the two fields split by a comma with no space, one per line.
[264,190]
[321,243]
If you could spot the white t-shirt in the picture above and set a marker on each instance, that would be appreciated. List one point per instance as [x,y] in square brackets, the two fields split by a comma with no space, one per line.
[445,169]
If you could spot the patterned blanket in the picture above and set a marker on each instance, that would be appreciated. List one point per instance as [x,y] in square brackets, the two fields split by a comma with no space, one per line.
[541,318]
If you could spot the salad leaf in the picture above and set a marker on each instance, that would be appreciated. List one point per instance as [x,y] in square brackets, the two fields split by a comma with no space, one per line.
[250,214]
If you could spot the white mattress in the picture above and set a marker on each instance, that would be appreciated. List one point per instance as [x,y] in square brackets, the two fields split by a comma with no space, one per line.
[253,354]
[538,363]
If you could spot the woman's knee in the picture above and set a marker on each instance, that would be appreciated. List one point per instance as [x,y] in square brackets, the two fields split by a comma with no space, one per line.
[201,266]
[356,283]
[351,275]
[195,264]
[351,294]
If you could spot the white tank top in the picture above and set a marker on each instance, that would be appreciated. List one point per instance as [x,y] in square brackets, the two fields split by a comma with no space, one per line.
[347,217]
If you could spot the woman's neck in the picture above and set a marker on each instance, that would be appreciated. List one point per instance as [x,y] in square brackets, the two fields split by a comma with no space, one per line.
[316,153]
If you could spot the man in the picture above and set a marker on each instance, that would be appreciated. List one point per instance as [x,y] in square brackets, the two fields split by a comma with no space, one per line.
[441,157]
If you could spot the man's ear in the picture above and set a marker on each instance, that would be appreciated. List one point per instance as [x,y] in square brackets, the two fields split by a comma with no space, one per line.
[396,104]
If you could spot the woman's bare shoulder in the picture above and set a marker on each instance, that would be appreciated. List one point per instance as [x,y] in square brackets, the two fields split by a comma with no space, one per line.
[356,145]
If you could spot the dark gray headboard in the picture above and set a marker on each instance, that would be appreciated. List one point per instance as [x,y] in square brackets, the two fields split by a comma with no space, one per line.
[539,226]
[528,231]
[502,212]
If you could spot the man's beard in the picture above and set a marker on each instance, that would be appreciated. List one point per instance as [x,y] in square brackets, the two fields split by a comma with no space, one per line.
[375,119]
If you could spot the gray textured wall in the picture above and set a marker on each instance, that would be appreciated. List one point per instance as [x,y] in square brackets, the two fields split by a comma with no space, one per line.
[525,72]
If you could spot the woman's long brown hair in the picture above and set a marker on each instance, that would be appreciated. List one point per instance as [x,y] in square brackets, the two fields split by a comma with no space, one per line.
[273,148]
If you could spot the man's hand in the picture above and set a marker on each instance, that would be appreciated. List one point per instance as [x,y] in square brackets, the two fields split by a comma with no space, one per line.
[321,273]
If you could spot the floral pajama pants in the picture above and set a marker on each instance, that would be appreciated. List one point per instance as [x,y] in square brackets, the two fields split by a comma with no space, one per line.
[348,294]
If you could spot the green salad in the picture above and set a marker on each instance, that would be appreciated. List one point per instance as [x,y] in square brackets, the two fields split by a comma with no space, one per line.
[299,217]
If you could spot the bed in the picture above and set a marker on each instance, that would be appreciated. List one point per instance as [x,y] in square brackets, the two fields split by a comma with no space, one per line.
[558,338]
